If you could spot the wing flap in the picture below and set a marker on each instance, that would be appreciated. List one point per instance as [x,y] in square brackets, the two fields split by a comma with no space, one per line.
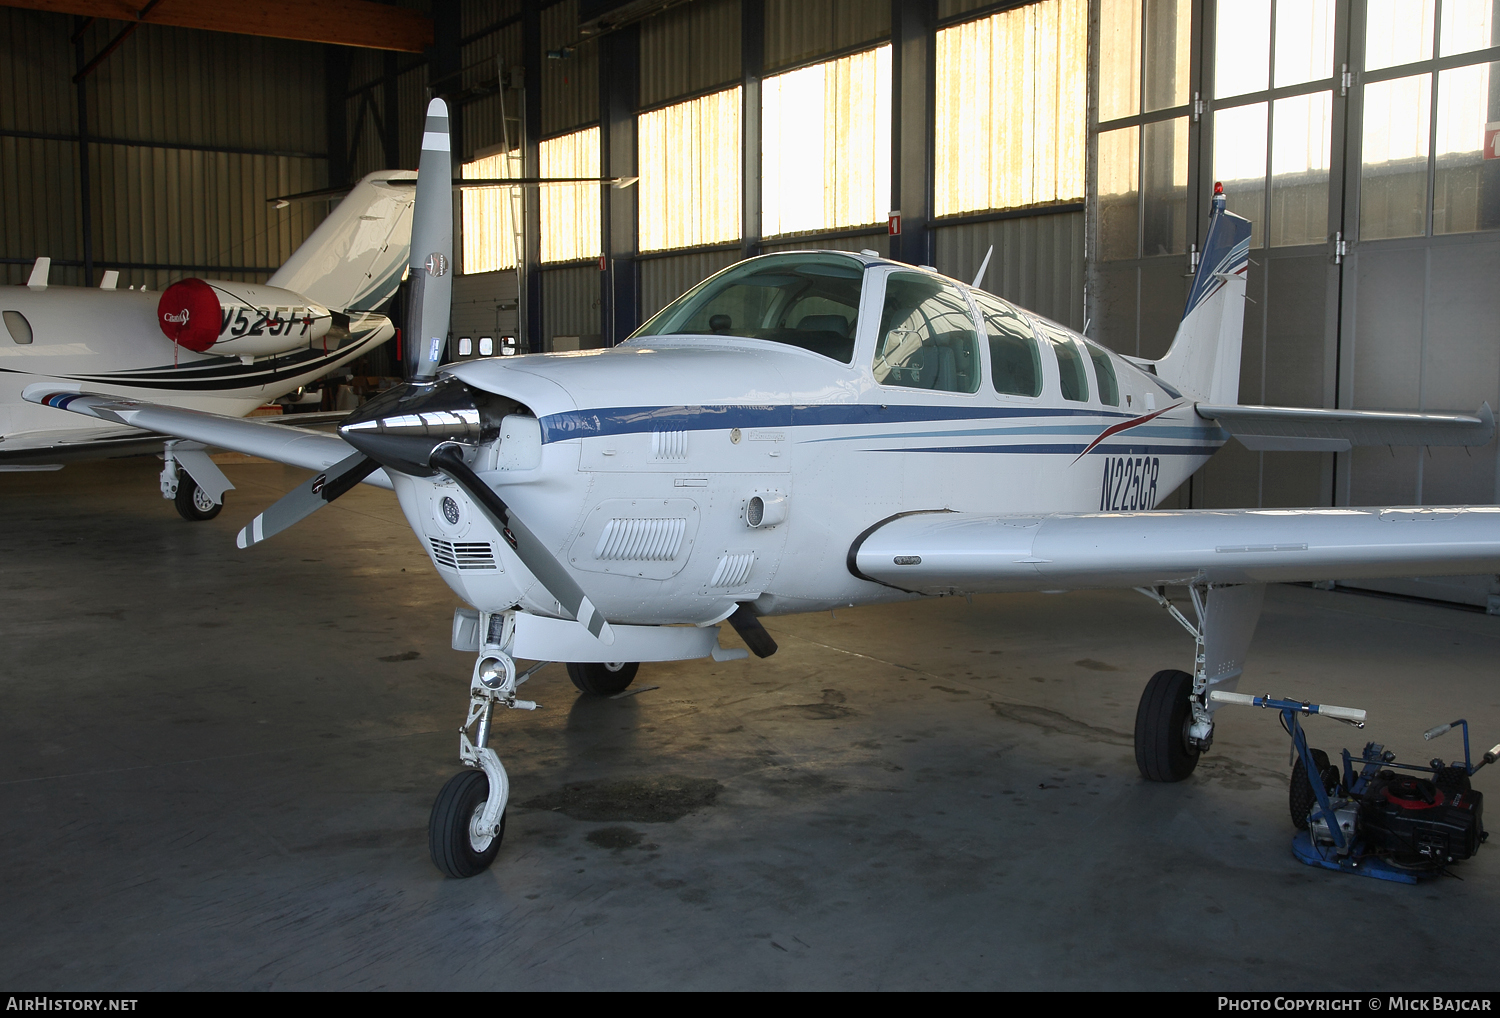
[1298,429]
[937,553]
[310,450]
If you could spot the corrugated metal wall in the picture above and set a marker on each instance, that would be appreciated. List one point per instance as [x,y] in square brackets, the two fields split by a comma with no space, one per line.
[663,280]
[484,305]
[691,48]
[570,302]
[482,59]
[1038,261]
[798,31]
[175,197]
[570,87]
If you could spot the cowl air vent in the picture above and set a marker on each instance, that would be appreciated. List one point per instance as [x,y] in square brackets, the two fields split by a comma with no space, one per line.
[651,540]
[462,555]
[733,570]
[669,445]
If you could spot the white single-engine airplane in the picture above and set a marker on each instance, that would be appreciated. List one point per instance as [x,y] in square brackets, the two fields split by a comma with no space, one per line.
[813,430]
[212,345]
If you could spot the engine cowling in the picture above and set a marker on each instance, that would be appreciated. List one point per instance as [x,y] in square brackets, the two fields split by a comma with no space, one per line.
[239,319]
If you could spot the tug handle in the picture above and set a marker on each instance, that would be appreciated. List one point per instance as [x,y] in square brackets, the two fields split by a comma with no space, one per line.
[1346,713]
[1493,754]
[1325,709]
[1433,733]
[1223,696]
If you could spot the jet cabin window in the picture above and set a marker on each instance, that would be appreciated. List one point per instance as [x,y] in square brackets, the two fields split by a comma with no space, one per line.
[927,337]
[1015,361]
[1071,374]
[18,327]
[809,301]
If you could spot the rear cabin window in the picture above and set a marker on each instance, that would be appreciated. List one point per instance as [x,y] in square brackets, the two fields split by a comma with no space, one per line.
[926,338]
[1104,373]
[809,301]
[1072,377]
[1015,360]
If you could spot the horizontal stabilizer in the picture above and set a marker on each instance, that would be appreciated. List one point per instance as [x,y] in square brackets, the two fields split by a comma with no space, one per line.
[943,552]
[1295,429]
[311,450]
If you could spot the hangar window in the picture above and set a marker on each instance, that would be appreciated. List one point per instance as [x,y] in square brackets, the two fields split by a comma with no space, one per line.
[926,338]
[689,190]
[1012,109]
[490,215]
[803,300]
[1015,362]
[570,212]
[826,145]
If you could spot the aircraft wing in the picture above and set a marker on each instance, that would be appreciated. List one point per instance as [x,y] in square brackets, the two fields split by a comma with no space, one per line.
[1296,429]
[299,447]
[945,552]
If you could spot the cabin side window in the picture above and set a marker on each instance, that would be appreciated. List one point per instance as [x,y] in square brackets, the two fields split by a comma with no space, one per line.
[1104,373]
[1072,377]
[926,338]
[1015,360]
[18,327]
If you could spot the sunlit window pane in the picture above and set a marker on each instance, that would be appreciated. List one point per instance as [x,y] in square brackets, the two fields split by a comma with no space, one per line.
[1301,132]
[570,212]
[1467,187]
[1169,25]
[826,145]
[1467,25]
[1012,108]
[1240,163]
[490,215]
[1393,177]
[1304,41]
[689,157]
[1119,195]
[1397,32]
[1242,57]
[1119,59]
[1165,159]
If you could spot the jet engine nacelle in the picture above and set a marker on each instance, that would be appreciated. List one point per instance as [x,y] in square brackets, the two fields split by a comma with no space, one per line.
[239,319]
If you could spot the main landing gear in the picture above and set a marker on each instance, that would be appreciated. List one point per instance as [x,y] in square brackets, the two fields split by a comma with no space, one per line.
[1174,723]
[467,823]
[199,495]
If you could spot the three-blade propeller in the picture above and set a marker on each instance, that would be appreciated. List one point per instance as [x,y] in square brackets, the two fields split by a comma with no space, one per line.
[416,428]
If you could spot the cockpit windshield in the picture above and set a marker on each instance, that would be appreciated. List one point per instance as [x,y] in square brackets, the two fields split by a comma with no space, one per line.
[807,300]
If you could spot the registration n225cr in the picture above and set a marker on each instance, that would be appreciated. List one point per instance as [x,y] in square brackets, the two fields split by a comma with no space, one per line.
[1129,482]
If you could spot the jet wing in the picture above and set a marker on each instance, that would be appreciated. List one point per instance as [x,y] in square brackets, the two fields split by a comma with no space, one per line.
[64,445]
[299,447]
[945,552]
[1295,429]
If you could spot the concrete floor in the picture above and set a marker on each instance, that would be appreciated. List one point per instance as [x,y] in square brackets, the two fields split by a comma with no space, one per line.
[216,768]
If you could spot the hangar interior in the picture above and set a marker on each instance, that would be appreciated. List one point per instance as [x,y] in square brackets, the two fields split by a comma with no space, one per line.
[216,768]
[1080,140]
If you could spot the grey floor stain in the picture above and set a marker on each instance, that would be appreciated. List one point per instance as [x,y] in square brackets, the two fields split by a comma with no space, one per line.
[615,837]
[811,711]
[1053,721]
[410,655]
[1095,666]
[646,801]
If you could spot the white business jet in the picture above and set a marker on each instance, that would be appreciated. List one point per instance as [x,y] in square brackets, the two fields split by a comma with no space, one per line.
[819,429]
[213,345]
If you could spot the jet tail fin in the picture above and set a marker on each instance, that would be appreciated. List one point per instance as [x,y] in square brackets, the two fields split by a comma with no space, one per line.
[1204,359]
[354,260]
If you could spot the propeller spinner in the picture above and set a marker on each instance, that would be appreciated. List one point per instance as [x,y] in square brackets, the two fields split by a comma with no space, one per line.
[421,427]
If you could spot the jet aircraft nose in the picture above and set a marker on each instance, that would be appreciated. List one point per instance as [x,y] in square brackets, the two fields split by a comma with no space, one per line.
[400,429]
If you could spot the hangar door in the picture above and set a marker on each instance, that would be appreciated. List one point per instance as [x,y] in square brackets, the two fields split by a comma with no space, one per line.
[1359,137]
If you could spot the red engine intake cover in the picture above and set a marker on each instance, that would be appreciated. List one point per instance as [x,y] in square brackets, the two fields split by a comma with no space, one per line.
[189,314]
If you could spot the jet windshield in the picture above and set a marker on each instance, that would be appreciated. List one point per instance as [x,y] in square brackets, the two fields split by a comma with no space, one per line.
[805,300]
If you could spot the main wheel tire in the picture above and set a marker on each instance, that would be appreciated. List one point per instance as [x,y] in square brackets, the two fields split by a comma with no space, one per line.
[1162,750]
[451,840]
[603,679]
[193,503]
[1300,796]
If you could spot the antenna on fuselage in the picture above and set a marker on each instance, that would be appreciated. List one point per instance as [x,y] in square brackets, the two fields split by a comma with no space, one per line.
[982,266]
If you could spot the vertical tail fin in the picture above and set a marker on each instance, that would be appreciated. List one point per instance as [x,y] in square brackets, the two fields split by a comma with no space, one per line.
[354,260]
[1204,359]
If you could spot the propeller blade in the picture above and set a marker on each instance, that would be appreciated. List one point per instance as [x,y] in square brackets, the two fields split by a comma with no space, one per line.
[307,498]
[431,249]
[528,548]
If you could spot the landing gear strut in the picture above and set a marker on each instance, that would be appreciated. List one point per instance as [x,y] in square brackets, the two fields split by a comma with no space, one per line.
[199,495]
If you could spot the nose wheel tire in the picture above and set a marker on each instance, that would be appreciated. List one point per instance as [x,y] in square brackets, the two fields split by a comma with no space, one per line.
[1162,749]
[457,845]
[192,502]
[603,679]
